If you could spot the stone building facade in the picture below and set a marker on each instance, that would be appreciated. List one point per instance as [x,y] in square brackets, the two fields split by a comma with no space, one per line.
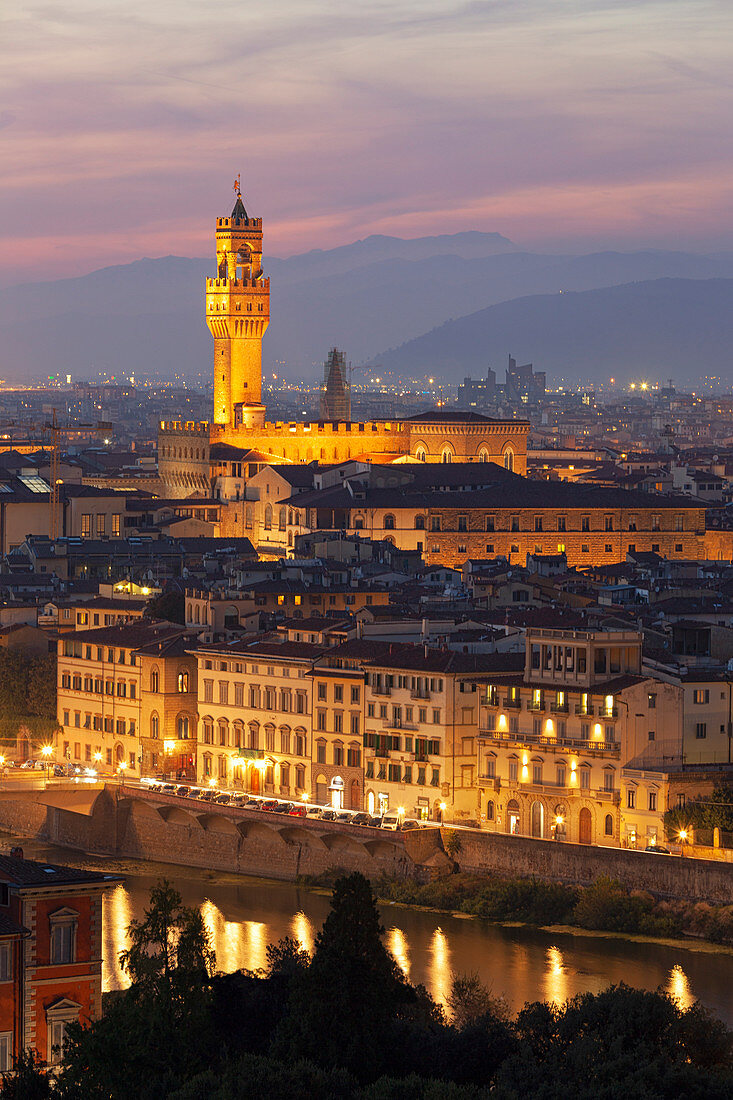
[237,314]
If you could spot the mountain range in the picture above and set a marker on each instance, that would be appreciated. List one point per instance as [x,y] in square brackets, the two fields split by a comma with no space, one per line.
[448,305]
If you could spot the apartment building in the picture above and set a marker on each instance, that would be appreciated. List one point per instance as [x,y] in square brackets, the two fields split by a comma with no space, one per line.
[555,741]
[420,720]
[50,954]
[255,705]
[168,707]
[99,694]
[338,725]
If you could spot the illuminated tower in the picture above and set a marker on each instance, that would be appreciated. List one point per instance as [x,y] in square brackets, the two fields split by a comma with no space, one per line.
[238,313]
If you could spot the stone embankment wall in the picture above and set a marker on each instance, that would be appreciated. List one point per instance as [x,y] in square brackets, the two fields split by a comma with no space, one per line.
[667,876]
[128,822]
[132,823]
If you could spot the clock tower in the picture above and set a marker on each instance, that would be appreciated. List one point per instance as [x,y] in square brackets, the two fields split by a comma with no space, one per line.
[238,313]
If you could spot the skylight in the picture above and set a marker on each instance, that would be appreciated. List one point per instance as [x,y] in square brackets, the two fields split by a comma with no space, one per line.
[35,483]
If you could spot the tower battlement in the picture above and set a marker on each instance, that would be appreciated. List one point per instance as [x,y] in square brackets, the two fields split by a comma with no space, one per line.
[238,287]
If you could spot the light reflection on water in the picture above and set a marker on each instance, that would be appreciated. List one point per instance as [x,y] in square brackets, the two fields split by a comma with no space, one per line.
[521,964]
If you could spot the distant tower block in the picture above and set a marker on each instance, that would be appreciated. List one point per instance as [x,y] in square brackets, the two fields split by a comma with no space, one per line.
[238,313]
[335,391]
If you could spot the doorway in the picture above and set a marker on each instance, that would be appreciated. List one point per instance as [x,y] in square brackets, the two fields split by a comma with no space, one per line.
[538,819]
[585,826]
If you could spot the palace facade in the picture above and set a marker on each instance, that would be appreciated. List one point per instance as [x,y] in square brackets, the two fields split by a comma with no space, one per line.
[237,301]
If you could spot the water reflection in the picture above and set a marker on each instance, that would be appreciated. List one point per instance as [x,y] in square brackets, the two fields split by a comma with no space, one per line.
[116,916]
[440,972]
[678,986]
[521,964]
[256,941]
[397,944]
[302,931]
[556,983]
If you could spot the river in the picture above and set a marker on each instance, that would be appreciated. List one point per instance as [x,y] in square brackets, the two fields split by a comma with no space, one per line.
[519,963]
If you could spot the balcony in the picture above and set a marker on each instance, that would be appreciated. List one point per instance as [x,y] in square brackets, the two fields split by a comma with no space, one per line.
[605,795]
[420,757]
[533,705]
[489,782]
[381,689]
[584,711]
[382,753]
[419,694]
[548,742]
[608,712]
[512,704]
[400,724]
[559,708]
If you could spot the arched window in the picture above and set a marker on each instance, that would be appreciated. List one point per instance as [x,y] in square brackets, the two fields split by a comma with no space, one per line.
[300,743]
[608,825]
[154,681]
[183,681]
[285,739]
[154,726]
[490,810]
[268,517]
[285,775]
[389,523]
[300,777]
[197,615]
[419,523]
[483,455]
[421,454]
[282,519]
[254,735]
[223,731]
[508,459]
[208,731]
[183,727]
[446,455]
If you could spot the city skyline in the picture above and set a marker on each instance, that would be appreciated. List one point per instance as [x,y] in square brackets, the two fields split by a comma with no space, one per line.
[572,126]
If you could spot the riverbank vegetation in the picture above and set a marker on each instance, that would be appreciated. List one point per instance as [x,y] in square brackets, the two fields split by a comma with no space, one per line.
[27,698]
[343,1023]
[605,906]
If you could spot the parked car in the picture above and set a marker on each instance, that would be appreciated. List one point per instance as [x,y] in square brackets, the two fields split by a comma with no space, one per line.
[410,823]
[169,788]
[343,815]
[328,815]
[193,792]
[283,807]
[269,804]
[182,791]
[252,804]
[314,811]
[658,849]
[155,787]
[374,822]
[28,764]
[360,819]
[223,798]
[236,800]
[297,811]
[59,770]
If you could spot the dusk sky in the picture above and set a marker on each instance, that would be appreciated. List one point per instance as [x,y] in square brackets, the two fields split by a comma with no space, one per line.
[563,124]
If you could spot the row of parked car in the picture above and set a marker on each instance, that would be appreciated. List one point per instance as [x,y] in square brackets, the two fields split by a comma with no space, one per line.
[390,820]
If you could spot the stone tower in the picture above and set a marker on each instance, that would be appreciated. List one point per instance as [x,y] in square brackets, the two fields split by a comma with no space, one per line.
[238,313]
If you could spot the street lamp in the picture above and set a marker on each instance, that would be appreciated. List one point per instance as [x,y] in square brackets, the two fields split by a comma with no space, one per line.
[121,771]
[46,751]
[442,809]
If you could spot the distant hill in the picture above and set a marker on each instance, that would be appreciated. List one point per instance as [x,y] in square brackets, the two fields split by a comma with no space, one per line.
[664,327]
[377,293]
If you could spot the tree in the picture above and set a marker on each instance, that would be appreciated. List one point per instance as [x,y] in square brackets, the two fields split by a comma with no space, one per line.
[28,1080]
[354,984]
[170,606]
[160,1031]
[470,999]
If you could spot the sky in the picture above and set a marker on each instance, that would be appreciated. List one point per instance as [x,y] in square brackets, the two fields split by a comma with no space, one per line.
[566,125]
